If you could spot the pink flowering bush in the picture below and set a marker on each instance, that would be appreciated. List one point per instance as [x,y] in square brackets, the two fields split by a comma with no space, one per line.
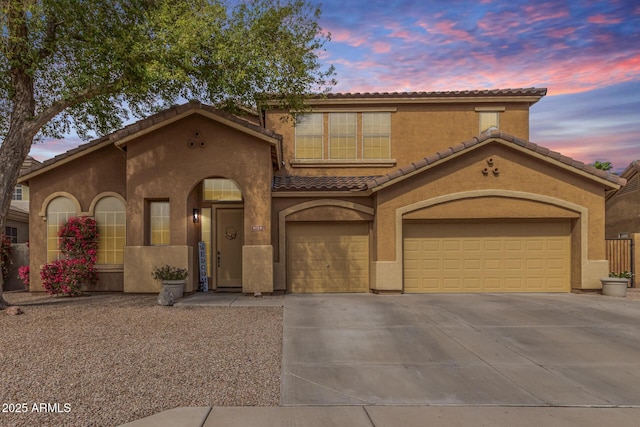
[24,274]
[78,240]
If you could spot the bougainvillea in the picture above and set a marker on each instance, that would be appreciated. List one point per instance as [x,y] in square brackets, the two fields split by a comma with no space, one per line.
[5,256]
[24,274]
[78,242]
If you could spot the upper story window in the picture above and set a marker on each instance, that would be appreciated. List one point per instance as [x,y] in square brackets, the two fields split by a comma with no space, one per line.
[309,136]
[489,118]
[376,135]
[17,192]
[344,136]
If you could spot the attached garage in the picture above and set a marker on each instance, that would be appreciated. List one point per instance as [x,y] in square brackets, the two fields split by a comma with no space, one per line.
[328,257]
[487,256]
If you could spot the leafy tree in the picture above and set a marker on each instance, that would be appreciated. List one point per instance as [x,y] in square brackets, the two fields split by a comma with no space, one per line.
[605,166]
[89,65]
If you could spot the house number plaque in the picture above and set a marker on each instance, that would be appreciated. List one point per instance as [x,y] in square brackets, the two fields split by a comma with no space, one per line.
[257,228]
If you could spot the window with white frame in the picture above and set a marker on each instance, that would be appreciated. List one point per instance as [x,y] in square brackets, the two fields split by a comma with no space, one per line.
[110,218]
[17,192]
[59,211]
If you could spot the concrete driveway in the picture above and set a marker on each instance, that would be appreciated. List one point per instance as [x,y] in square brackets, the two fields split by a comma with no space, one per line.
[482,349]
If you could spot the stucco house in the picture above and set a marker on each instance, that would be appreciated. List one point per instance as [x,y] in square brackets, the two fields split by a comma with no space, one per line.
[373,192]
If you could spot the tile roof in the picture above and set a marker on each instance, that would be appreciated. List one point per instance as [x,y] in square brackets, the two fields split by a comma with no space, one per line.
[531,91]
[363,183]
[545,152]
[148,122]
[320,183]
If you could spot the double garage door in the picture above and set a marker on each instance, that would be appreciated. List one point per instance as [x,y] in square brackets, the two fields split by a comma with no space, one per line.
[487,257]
[328,257]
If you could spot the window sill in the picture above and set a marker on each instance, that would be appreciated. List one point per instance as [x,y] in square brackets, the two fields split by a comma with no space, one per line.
[109,268]
[348,163]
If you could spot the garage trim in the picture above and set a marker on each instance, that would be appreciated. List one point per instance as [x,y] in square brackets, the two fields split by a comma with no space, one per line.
[391,271]
[281,265]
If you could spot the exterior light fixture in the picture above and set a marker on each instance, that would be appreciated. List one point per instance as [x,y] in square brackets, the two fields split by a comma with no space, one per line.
[196,215]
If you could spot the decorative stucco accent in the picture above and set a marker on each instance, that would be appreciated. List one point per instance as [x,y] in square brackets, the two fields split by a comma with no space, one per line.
[50,197]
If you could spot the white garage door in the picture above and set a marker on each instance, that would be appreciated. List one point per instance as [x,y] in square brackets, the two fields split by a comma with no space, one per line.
[328,257]
[487,257]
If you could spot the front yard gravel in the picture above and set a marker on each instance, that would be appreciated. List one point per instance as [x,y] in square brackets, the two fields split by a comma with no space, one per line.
[115,358]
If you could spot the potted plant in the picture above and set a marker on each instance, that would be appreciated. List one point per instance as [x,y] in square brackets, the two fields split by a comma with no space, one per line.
[173,279]
[616,284]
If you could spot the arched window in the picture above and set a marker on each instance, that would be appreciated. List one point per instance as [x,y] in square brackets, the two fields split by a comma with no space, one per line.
[59,211]
[111,220]
[221,190]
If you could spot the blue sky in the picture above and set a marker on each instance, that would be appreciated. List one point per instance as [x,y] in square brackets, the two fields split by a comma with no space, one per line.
[585,52]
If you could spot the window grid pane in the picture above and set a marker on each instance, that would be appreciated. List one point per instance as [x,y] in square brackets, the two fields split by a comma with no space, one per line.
[376,135]
[58,213]
[111,220]
[221,190]
[342,135]
[488,119]
[17,192]
[309,136]
[159,217]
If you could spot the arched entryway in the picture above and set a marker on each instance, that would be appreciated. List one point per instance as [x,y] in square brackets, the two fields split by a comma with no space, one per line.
[221,228]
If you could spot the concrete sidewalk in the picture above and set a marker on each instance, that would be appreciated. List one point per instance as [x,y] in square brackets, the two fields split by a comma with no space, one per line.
[390,416]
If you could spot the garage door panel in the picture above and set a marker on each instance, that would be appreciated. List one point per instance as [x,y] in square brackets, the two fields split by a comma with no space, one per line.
[487,257]
[328,257]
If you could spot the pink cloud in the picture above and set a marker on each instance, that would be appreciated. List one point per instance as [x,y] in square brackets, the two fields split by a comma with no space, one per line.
[447,29]
[544,12]
[347,37]
[560,33]
[381,47]
[603,19]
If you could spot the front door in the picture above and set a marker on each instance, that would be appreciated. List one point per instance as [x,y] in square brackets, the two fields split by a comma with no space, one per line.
[229,240]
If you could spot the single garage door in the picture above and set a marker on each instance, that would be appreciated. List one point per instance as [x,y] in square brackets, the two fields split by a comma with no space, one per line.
[487,257]
[328,257]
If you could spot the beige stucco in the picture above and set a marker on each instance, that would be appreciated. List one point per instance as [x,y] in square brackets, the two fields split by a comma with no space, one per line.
[491,180]
[140,261]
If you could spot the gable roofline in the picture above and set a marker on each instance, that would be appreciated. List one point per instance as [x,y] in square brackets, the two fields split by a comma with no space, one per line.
[610,181]
[630,171]
[154,122]
[529,95]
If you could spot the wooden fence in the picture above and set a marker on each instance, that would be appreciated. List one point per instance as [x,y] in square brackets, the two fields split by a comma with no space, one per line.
[620,256]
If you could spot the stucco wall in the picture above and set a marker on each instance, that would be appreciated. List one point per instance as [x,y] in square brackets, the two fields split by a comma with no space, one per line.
[416,131]
[553,193]
[83,179]
[162,166]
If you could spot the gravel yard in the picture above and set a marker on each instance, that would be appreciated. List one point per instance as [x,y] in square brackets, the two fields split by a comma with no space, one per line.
[115,358]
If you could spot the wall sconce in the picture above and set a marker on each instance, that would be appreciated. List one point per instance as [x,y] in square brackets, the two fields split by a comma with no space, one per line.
[196,215]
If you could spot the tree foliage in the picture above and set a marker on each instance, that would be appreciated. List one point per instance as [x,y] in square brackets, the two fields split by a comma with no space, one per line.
[89,65]
[605,166]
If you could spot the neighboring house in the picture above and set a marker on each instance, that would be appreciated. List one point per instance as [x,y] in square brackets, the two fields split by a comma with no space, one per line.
[17,222]
[383,192]
[623,205]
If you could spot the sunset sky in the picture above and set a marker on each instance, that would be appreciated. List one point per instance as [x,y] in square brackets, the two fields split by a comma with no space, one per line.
[587,53]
